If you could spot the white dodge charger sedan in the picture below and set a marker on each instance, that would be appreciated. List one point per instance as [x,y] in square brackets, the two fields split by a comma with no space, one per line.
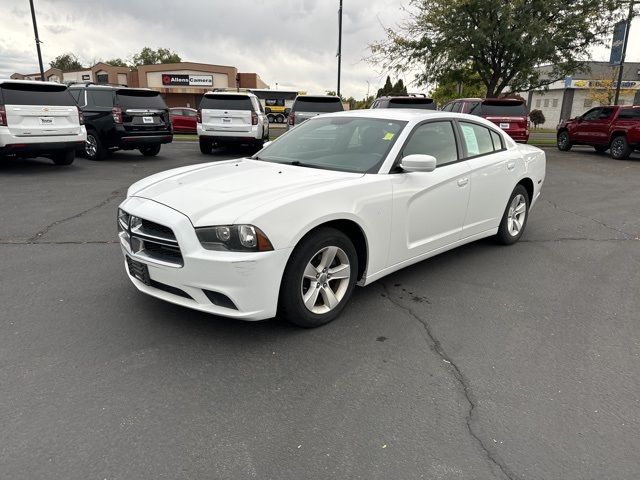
[344,198]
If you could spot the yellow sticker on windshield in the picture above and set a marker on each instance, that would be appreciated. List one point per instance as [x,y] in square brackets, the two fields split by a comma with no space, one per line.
[388,136]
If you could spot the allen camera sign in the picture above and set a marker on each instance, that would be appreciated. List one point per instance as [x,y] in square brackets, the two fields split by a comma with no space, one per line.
[187,80]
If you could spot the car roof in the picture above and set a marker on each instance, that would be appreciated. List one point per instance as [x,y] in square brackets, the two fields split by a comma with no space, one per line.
[235,94]
[318,96]
[391,97]
[403,114]
[30,82]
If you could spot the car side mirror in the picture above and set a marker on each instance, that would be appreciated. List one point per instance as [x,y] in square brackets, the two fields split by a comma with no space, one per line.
[579,118]
[418,163]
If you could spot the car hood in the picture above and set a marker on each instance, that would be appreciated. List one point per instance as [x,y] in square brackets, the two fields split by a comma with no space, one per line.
[220,192]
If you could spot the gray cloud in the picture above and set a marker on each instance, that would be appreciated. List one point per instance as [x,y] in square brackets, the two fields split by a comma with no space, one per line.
[291,42]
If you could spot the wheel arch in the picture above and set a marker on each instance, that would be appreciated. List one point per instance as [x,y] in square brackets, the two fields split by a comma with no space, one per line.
[617,133]
[353,230]
[527,183]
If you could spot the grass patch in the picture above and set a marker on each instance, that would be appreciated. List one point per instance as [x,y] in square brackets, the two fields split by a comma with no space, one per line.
[542,142]
[185,137]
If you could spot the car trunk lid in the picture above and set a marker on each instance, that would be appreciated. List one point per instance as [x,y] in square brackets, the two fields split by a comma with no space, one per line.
[45,110]
[227,113]
[142,110]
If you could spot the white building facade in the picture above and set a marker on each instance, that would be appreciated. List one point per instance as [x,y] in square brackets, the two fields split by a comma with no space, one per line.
[576,94]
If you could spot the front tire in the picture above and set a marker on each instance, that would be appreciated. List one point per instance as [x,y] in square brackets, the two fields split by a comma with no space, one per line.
[64,158]
[94,150]
[319,278]
[515,217]
[151,151]
[620,149]
[563,141]
[205,146]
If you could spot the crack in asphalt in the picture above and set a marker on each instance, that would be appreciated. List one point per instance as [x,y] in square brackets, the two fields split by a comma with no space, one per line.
[460,378]
[45,230]
[610,227]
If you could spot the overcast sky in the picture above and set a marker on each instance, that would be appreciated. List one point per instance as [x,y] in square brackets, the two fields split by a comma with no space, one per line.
[291,42]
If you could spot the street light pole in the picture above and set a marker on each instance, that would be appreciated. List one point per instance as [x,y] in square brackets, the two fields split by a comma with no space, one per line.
[624,51]
[339,44]
[35,30]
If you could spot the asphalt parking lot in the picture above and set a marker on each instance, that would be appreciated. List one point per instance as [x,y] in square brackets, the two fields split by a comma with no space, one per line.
[486,362]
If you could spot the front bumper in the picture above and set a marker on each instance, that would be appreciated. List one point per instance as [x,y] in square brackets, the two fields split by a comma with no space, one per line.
[250,280]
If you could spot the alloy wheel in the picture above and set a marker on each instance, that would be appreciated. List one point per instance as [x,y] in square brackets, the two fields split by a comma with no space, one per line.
[617,147]
[325,280]
[516,215]
[91,146]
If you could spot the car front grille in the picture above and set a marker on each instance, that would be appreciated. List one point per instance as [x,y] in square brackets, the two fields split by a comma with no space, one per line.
[154,242]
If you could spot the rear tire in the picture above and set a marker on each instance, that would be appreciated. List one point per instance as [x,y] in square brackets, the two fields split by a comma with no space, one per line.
[150,151]
[94,150]
[258,144]
[620,149]
[309,296]
[64,158]
[563,141]
[205,146]
[515,217]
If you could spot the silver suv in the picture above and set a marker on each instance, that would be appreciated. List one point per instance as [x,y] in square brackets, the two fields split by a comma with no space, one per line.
[308,106]
[230,117]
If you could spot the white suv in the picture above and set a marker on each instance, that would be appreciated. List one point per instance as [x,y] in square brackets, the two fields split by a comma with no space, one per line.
[39,118]
[229,117]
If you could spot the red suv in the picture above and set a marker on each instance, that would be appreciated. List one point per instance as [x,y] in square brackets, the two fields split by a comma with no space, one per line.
[183,119]
[615,128]
[510,114]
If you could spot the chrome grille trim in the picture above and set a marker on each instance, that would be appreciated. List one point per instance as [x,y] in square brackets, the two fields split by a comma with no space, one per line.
[153,242]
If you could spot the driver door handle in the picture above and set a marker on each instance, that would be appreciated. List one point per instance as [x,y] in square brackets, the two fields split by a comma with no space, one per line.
[463,181]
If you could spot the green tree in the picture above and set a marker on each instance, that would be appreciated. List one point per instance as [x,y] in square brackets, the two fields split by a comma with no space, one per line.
[65,62]
[117,62]
[149,56]
[386,89]
[458,84]
[503,41]
[536,117]
[399,88]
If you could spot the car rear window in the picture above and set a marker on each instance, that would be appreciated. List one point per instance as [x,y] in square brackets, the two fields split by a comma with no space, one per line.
[421,103]
[633,113]
[506,109]
[318,104]
[226,102]
[30,94]
[139,99]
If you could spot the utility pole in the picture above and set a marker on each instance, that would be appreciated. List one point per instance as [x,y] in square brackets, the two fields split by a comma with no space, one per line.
[339,44]
[35,30]
[624,51]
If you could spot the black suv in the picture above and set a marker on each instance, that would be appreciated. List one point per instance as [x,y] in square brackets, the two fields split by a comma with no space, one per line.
[119,118]
[408,101]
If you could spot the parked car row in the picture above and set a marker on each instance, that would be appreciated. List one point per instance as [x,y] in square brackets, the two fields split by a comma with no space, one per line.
[56,121]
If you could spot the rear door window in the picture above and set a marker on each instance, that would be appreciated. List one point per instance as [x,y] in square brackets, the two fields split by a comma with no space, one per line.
[30,94]
[318,104]
[100,98]
[477,139]
[630,113]
[139,99]
[226,102]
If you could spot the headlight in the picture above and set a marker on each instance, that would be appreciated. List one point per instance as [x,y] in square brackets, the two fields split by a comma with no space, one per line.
[123,220]
[236,238]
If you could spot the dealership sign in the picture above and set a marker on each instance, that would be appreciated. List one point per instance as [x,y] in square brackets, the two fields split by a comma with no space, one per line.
[187,80]
[627,84]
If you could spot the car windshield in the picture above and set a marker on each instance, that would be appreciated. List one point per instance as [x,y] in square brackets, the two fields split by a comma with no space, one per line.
[350,144]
